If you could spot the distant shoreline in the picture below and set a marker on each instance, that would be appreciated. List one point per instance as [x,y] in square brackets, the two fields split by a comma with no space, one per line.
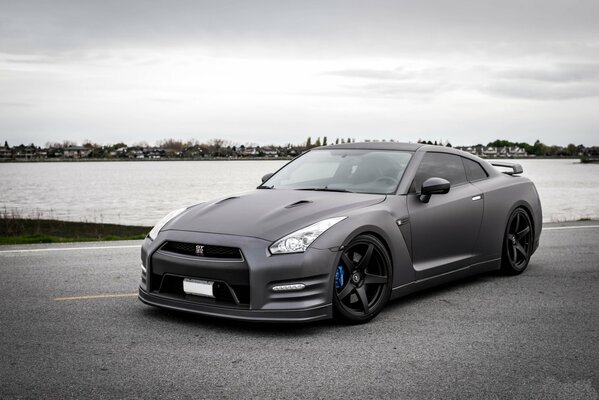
[68,160]
[16,230]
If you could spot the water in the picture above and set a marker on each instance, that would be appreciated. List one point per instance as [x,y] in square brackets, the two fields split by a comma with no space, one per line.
[129,193]
[568,189]
[140,193]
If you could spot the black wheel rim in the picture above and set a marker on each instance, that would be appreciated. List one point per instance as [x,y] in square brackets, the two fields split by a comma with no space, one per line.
[366,278]
[518,239]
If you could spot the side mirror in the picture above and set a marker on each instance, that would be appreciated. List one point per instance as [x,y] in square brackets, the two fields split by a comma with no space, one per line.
[267,177]
[433,186]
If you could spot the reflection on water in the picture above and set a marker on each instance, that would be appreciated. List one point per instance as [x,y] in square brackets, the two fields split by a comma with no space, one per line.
[140,193]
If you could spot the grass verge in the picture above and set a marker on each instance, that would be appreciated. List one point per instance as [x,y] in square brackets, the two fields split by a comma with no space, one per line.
[24,231]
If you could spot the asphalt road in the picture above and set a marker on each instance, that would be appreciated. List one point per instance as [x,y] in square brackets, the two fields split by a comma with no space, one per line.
[531,336]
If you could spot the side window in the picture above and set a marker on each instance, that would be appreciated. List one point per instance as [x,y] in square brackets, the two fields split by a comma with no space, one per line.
[440,165]
[474,171]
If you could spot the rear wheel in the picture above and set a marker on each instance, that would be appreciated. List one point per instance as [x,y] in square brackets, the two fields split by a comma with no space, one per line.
[362,280]
[517,243]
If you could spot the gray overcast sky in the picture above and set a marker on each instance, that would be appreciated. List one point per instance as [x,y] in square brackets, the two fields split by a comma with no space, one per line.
[279,71]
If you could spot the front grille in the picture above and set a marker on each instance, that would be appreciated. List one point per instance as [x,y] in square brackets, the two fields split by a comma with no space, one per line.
[225,266]
[207,251]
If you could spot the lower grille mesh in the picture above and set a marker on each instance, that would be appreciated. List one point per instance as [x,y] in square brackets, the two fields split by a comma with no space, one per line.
[172,284]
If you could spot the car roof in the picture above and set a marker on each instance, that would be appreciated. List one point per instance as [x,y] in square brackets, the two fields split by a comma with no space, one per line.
[420,147]
[374,146]
[414,147]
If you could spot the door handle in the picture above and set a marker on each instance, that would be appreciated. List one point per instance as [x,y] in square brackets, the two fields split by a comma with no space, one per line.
[477,197]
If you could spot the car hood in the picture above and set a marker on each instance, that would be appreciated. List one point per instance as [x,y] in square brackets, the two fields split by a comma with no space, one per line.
[268,213]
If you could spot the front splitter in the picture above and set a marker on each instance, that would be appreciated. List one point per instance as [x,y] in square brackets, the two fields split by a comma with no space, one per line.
[301,315]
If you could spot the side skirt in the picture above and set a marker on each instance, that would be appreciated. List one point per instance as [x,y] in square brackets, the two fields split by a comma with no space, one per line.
[474,269]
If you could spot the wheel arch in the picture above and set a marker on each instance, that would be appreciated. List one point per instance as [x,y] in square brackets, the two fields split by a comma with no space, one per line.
[509,266]
[524,205]
[379,237]
[395,245]
[527,209]
[356,285]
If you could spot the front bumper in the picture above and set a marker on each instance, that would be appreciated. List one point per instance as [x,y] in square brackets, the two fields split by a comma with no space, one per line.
[291,315]
[249,279]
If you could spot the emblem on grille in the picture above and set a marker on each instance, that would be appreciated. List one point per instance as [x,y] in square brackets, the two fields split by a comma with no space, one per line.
[199,250]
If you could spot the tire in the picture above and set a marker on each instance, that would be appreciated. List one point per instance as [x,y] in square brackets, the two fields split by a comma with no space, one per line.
[362,280]
[517,243]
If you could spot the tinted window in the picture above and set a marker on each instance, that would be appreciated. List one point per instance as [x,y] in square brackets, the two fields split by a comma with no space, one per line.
[440,165]
[474,171]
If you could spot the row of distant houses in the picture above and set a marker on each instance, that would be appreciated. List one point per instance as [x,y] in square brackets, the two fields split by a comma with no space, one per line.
[27,152]
[493,152]
[198,151]
[30,152]
[152,153]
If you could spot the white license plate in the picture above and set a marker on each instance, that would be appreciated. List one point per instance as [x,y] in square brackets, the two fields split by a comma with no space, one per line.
[198,287]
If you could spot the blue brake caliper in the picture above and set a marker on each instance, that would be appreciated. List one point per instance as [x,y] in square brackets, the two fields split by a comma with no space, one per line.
[339,277]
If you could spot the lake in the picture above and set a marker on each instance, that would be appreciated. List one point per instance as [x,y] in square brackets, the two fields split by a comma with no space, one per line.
[140,193]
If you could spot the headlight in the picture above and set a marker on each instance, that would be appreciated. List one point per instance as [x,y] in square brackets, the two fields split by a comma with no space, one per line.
[298,241]
[154,232]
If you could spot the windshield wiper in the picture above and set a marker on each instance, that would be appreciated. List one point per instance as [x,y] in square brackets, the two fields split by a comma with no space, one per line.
[326,189]
[265,187]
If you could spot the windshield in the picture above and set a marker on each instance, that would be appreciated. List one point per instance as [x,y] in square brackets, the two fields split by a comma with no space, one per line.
[343,170]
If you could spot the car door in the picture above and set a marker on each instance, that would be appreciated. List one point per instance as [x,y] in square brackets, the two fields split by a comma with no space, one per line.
[444,230]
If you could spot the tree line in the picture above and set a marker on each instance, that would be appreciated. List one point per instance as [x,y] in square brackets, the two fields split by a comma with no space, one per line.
[538,148]
[220,148]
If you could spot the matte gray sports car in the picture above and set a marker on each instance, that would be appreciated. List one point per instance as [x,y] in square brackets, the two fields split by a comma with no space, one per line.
[339,231]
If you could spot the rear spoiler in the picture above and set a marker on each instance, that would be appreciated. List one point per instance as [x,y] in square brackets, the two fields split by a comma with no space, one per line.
[516,168]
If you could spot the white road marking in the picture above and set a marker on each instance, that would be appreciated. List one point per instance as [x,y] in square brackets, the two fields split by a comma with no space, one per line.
[97,296]
[558,228]
[70,249]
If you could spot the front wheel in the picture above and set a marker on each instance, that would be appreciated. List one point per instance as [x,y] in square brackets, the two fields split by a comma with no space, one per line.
[517,243]
[362,280]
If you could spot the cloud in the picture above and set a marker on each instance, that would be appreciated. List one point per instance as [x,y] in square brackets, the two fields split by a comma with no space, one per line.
[398,89]
[113,66]
[399,82]
[310,28]
[382,74]
[556,81]
[542,91]
[558,73]
[15,104]
[165,100]
[560,81]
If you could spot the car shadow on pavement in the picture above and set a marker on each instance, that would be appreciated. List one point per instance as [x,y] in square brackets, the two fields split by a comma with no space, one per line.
[449,288]
[265,329]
